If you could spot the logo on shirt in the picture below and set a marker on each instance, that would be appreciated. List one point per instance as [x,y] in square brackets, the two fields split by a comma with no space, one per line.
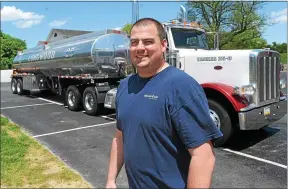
[151,97]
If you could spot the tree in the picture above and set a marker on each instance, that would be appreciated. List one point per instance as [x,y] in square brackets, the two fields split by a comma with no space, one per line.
[283,58]
[9,48]
[127,28]
[238,22]
[281,48]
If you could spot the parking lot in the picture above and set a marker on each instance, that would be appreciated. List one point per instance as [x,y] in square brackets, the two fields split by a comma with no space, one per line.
[256,159]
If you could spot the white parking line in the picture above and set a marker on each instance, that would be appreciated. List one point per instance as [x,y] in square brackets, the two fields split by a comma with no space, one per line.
[78,128]
[50,101]
[107,117]
[24,106]
[256,158]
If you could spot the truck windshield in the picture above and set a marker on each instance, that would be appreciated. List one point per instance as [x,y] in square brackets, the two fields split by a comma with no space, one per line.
[189,38]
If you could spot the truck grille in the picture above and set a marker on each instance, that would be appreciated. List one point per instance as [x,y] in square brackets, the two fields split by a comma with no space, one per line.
[268,70]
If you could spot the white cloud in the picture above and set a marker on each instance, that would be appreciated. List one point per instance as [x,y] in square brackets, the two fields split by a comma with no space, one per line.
[57,23]
[20,18]
[26,23]
[279,17]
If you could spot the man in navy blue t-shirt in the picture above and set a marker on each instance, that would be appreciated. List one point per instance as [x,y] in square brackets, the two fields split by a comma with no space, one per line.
[164,130]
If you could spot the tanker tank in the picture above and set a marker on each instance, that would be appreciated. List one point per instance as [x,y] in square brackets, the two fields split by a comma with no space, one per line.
[98,53]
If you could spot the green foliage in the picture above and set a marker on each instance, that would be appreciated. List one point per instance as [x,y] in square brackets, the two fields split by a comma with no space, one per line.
[283,58]
[127,28]
[238,22]
[9,47]
[281,48]
[245,40]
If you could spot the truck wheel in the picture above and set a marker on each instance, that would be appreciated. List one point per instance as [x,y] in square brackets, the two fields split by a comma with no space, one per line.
[20,90]
[14,86]
[222,120]
[73,98]
[90,102]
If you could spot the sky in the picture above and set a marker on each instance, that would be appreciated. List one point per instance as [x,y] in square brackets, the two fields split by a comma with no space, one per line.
[32,21]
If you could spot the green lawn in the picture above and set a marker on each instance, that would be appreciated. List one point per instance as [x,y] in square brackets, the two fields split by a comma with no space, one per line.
[27,164]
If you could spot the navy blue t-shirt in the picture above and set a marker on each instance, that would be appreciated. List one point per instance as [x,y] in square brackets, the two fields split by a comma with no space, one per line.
[160,118]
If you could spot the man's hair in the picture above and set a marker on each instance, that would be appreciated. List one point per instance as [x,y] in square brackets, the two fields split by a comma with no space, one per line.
[146,21]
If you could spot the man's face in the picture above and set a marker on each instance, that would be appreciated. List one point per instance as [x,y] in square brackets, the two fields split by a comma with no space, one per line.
[146,48]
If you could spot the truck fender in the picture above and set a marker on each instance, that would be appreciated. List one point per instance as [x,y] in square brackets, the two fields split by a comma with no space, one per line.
[237,102]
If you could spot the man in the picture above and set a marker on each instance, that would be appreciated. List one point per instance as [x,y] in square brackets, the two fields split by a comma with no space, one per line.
[164,130]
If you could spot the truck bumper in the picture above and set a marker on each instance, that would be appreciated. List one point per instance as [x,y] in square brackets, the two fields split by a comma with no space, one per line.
[110,99]
[260,117]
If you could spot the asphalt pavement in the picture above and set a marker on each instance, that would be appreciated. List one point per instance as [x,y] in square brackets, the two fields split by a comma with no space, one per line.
[255,159]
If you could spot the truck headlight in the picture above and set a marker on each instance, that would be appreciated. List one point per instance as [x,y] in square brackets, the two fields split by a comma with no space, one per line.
[282,84]
[244,90]
[112,91]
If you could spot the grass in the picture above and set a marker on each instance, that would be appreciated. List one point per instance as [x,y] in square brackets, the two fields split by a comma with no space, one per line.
[27,164]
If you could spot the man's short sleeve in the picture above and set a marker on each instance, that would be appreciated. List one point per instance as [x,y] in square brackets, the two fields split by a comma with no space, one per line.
[119,89]
[118,123]
[191,118]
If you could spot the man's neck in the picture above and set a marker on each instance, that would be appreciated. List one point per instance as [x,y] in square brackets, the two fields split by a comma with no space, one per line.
[146,74]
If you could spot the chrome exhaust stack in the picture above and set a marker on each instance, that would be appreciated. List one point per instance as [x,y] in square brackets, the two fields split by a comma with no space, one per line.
[184,13]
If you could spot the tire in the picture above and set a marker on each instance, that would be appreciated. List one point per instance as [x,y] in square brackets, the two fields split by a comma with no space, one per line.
[223,120]
[20,90]
[14,86]
[73,98]
[90,101]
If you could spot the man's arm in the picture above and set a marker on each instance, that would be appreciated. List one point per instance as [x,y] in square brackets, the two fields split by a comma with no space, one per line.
[192,121]
[116,159]
[201,166]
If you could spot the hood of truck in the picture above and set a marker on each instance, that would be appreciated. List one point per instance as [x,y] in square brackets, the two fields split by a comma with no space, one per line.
[229,67]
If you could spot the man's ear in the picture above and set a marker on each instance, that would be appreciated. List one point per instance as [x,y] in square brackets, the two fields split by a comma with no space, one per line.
[164,45]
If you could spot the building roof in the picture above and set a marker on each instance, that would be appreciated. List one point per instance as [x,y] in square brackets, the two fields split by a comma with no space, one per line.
[40,42]
[66,32]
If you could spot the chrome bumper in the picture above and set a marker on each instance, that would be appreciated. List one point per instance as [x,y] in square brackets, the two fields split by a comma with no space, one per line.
[110,99]
[262,116]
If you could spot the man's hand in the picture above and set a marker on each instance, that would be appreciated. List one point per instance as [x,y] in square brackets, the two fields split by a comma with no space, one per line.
[201,166]
[110,184]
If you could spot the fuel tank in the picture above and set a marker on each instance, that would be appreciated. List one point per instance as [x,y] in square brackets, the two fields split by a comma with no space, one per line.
[101,52]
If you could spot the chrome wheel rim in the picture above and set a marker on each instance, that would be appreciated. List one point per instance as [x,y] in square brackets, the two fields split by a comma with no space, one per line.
[89,101]
[71,98]
[18,88]
[13,86]
[215,118]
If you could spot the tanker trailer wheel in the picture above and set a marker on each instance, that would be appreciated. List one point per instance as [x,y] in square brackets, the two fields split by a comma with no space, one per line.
[19,87]
[221,118]
[90,102]
[14,86]
[73,98]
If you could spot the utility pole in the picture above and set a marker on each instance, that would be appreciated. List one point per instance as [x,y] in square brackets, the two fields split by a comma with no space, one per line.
[135,11]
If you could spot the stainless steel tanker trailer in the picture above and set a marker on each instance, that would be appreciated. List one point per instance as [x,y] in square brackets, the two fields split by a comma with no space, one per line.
[81,69]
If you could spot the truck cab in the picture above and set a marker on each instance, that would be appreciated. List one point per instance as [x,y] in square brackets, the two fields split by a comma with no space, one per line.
[242,86]
[184,39]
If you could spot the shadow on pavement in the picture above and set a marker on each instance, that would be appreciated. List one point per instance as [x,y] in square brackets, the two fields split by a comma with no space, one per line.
[60,99]
[245,139]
